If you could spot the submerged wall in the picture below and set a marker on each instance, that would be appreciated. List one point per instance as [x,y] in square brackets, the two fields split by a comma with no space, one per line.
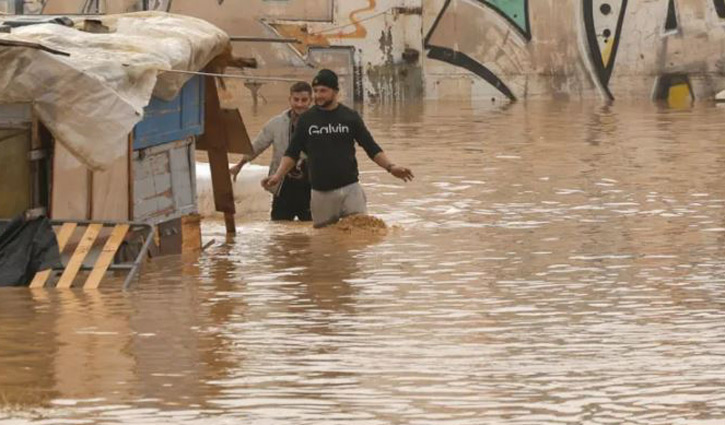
[389,50]
[573,48]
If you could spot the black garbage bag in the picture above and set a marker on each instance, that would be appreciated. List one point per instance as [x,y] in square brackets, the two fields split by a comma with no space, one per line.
[27,246]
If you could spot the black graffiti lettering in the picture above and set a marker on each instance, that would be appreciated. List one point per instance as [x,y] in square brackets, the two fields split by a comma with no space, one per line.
[603,66]
[462,60]
[720,8]
[671,21]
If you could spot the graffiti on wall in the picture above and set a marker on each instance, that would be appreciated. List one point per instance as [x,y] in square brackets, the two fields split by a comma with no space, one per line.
[514,12]
[347,41]
[611,42]
[720,8]
[323,37]
[98,6]
[603,20]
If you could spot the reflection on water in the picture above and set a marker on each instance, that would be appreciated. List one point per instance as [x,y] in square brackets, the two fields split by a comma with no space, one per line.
[552,263]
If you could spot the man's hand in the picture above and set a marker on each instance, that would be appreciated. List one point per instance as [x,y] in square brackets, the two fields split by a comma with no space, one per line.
[234,171]
[296,173]
[270,182]
[402,173]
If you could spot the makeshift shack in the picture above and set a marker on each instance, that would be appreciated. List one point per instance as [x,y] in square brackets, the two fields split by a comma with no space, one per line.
[100,119]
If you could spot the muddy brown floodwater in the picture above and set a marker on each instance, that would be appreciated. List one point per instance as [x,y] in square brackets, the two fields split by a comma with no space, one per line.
[552,263]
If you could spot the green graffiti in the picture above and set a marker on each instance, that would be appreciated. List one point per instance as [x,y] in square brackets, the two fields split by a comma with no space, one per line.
[514,10]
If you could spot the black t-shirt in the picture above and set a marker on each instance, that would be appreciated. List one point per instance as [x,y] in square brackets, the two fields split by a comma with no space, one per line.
[328,138]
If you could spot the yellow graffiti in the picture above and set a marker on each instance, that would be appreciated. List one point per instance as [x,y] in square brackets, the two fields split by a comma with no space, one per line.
[360,31]
[679,96]
[322,38]
[299,32]
[607,54]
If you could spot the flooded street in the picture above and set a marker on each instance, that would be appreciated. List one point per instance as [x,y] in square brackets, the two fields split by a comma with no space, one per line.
[552,263]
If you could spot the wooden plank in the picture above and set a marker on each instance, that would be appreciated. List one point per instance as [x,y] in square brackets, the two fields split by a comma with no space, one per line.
[224,128]
[216,141]
[31,45]
[229,223]
[70,194]
[191,233]
[64,234]
[89,190]
[15,172]
[221,182]
[129,176]
[76,261]
[66,231]
[106,257]
[214,132]
[110,192]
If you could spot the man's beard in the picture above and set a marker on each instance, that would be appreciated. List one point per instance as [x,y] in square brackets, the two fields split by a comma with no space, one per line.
[324,103]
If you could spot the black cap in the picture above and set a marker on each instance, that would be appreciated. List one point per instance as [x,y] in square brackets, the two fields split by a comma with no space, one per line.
[326,78]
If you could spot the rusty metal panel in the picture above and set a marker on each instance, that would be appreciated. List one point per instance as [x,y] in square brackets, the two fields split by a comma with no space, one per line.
[15,172]
[15,167]
[16,115]
[164,182]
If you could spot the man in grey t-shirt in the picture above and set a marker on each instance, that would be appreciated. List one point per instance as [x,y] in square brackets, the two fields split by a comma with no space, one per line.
[291,195]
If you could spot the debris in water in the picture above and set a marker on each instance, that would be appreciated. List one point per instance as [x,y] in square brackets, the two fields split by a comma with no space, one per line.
[361,223]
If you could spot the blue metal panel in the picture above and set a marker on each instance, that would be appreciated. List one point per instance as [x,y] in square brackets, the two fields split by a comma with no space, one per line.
[177,119]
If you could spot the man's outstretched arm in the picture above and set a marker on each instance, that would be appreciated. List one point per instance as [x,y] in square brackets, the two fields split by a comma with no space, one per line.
[402,173]
[264,139]
[375,152]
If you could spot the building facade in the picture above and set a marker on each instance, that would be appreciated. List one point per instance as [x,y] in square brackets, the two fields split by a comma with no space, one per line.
[393,50]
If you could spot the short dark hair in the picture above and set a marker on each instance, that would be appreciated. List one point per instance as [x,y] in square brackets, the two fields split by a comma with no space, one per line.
[300,86]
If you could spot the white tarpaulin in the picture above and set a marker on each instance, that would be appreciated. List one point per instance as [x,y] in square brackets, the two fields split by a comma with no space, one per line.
[92,99]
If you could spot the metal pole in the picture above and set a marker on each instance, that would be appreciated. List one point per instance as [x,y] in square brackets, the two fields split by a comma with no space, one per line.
[233,76]
[263,39]
[138,263]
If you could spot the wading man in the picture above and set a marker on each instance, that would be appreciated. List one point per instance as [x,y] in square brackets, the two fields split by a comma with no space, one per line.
[327,134]
[291,195]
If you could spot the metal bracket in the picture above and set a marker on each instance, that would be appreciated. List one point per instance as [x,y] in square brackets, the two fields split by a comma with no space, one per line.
[37,154]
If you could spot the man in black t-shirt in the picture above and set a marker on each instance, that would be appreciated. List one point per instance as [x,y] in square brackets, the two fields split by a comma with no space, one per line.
[327,134]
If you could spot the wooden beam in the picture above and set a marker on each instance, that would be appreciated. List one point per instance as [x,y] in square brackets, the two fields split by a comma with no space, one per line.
[130,178]
[31,45]
[89,190]
[76,261]
[216,140]
[64,235]
[247,39]
[106,257]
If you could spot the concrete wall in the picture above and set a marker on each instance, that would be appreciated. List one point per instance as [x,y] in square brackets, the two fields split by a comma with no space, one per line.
[671,49]
[478,49]
[363,40]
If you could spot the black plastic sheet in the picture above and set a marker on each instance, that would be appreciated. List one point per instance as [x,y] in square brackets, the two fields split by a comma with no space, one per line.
[27,246]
